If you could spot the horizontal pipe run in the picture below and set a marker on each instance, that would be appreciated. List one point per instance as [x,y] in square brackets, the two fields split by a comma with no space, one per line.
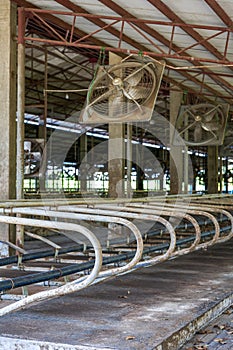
[21,281]
[69,287]
[106,219]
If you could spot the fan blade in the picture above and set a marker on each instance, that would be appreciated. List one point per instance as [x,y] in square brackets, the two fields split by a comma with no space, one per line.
[131,98]
[138,92]
[197,135]
[134,78]
[211,126]
[209,115]
[100,98]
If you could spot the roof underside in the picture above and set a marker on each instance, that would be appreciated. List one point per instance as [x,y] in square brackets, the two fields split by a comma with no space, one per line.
[194,37]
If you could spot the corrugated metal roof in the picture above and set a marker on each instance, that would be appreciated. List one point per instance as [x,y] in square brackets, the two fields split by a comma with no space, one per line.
[197,45]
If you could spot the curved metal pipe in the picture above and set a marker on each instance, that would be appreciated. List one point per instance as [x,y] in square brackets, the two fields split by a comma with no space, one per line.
[166,212]
[221,211]
[216,235]
[97,215]
[140,216]
[106,219]
[69,287]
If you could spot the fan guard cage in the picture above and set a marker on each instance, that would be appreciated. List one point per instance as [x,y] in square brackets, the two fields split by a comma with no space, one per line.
[124,91]
[33,150]
[202,124]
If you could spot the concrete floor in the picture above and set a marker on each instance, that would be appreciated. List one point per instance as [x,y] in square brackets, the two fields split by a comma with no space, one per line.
[159,307]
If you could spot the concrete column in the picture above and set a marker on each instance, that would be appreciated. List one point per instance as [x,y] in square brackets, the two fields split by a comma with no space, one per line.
[226,171]
[139,169]
[212,169]
[116,163]
[116,151]
[8,109]
[82,155]
[129,152]
[176,155]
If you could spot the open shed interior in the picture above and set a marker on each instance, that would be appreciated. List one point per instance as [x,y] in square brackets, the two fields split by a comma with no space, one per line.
[116,159]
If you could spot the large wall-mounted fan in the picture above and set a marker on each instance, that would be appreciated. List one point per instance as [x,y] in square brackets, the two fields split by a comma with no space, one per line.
[124,92]
[202,124]
[33,150]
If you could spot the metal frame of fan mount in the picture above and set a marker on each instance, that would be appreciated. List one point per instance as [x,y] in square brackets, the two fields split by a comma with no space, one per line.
[29,157]
[124,92]
[202,124]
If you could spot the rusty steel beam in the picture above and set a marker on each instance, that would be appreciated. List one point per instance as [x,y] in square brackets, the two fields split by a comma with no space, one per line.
[58,22]
[197,62]
[196,81]
[220,12]
[194,34]
[127,19]
[97,21]
[163,8]
[126,51]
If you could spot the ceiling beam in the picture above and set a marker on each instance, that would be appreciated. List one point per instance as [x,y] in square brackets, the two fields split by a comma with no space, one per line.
[76,8]
[163,8]
[220,12]
[122,12]
[58,22]
[143,26]
[100,23]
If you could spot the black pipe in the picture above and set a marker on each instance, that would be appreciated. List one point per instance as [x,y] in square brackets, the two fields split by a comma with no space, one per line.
[50,252]
[38,255]
[75,268]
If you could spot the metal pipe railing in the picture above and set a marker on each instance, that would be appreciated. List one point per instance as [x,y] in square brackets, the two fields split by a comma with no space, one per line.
[107,211]
[105,219]
[138,216]
[128,212]
[176,210]
[69,287]
[196,208]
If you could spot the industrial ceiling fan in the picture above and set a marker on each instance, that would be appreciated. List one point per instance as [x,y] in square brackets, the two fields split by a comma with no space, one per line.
[33,150]
[124,92]
[202,124]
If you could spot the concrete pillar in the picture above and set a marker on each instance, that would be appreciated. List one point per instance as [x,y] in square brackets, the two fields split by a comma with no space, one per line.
[8,108]
[176,155]
[82,155]
[212,169]
[116,162]
[139,168]
[116,151]
[129,152]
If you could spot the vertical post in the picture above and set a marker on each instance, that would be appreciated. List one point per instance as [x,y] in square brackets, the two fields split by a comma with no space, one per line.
[212,169]
[8,51]
[129,158]
[20,104]
[43,126]
[20,118]
[185,170]
[45,95]
[82,155]
[176,155]
[116,151]
[139,160]
[226,177]
[221,174]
